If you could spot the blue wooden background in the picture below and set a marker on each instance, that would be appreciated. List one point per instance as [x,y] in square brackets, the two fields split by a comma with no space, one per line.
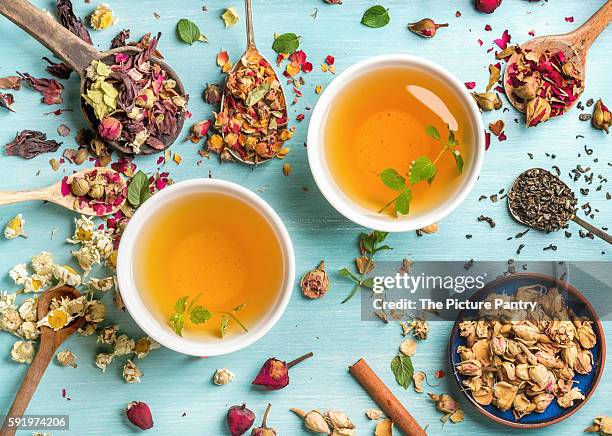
[179,388]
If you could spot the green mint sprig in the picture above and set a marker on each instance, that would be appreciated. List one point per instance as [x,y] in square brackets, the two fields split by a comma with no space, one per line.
[423,168]
[198,314]
[369,245]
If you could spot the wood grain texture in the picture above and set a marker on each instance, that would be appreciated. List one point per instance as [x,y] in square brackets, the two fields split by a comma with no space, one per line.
[173,384]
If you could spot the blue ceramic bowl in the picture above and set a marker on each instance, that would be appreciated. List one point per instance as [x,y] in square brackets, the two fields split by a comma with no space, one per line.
[587,383]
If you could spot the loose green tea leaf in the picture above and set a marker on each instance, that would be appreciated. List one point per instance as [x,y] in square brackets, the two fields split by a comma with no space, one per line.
[375,17]
[138,189]
[199,314]
[393,179]
[187,31]
[422,169]
[402,202]
[257,94]
[286,43]
[433,132]
[402,370]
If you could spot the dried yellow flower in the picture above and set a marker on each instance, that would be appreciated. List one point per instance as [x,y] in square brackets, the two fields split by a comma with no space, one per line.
[102,17]
[230,17]
[103,360]
[15,228]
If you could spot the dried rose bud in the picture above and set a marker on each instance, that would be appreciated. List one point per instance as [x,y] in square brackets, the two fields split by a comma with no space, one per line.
[264,430]
[334,2]
[110,129]
[537,111]
[426,27]
[471,368]
[444,403]
[527,91]
[212,93]
[487,6]
[139,414]
[487,101]
[200,129]
[601,117]
[274,374]
[79,186]
[313,420]
[239,419]
[315,283]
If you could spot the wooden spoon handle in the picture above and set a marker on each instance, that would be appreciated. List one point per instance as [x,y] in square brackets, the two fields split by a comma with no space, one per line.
[21,196]
[29,384]
[591,228]
[249,24]
[583,37]
[68,47]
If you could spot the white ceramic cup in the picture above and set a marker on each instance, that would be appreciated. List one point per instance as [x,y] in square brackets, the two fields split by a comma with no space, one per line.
[159,329]
[325,180]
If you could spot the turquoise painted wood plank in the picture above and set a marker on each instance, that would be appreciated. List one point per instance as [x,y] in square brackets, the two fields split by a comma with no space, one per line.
[176,385]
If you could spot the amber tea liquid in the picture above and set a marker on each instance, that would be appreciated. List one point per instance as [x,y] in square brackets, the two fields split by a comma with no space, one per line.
[379,121]
[213,244]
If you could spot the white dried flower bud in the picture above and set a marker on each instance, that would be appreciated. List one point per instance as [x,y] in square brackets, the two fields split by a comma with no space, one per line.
[66,358]
[223,376]
[408,347]
[123,345]
[131,372]
[103,360]
[23,351]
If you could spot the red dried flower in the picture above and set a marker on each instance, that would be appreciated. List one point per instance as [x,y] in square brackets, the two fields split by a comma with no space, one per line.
[488,28]
[307,67]
[329,60]
[487,6]
[239,419]
[470,85]
[274,374]
[50,89]
[569,19]
[440,374]
[31,143]
[300,117]
[59,70]
[139,414]
[503,41]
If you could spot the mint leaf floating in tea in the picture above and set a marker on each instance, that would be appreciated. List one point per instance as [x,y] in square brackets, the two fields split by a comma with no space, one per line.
[369,245]
[375,17]
[422,168]
[187,31]
[274,374]
[198,314]
[402,370]
[286,43]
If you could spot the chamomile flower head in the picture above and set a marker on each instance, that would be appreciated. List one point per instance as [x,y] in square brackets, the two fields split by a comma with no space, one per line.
[101,285]
[28,309]
[84,229]
[42,263]
[66,275]
[19,273]
[23,351]
[15,227]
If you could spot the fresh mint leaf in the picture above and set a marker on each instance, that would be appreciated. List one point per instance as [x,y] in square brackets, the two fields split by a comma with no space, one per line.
[422,169]
[180,305]
[138,184]
[177,322]
[402,370]
[199,315]
[452,141]
[286,43]
[376,16]
[346,273]
[402,202]
[257,94]
[379,236]
[187,31]
[458,160]
[224,326]
[368,283]
[433,132]
[392,179]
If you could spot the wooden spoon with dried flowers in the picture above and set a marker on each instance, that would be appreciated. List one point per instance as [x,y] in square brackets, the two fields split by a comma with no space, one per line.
[559,63]
[50,340]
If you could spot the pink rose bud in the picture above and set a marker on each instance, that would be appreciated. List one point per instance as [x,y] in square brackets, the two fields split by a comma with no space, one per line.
[239,419]
[487,6]
[274,374]
[110,129]
[139,414]
[200,129]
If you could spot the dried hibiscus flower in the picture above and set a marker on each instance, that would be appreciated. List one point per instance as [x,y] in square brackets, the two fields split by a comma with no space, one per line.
[426,27]
[50,89]
[6,101]
[315,283]
[59,70]
[120,39]
[274,374]
[71,22]
[31,143]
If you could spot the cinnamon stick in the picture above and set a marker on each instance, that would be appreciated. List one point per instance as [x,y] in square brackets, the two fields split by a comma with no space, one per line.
[385,399]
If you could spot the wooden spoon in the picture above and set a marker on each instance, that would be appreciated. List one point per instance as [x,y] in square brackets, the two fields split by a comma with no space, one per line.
[575,45]
[54,194]
[78,55]
[589,227]
[49,343]
[251,52]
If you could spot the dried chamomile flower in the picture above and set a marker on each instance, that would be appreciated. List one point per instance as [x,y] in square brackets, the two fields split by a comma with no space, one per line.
[35,283]
[123,345]
[223,376]
[87,256]
[101,285]
[84,229]
[102,17]
[28,309]
[408,347]
[418,327]
[103,360]
[95,312]
[66,358]
[118,299]
[87,329]
[19,273]
[28,330]
[143,347]
[7,300]
[10,321]
[108,335]
[42,263]
[15,228]
[56,319]
[23,351]
[131,373]
[374,414]
[67,275]
[38,433]
[601,425]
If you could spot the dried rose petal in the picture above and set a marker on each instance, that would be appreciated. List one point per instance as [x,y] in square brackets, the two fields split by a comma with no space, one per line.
[10,82]
[470,85]
[31,143]
[329,60]
[110,129]
[503,41]
[538,110]
[71,22]
[120,40]
[569,19]
[50,89]
[59,70]
[487,140]
[497,127]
